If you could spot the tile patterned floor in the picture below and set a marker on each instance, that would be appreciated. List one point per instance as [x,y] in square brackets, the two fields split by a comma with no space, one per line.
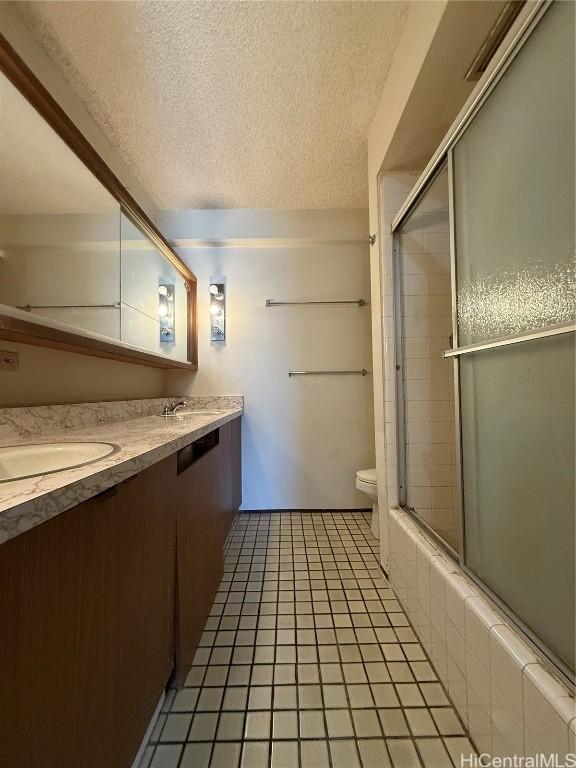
[307,660]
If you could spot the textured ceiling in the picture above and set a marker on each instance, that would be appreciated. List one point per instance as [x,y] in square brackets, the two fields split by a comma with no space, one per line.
[230,104]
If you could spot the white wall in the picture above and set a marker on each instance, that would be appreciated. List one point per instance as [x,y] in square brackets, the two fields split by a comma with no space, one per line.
[304,438]
[52,376]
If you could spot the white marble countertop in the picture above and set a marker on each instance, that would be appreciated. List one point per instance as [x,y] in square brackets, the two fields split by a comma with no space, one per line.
[141,442]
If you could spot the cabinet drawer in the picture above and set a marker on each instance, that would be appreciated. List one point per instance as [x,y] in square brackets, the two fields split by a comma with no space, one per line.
[190,454]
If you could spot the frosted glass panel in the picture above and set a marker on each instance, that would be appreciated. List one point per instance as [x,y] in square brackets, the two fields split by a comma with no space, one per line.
[514,192]
[518,475]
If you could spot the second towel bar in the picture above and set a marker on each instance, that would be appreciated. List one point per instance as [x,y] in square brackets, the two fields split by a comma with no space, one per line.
[274,303]
[360,372]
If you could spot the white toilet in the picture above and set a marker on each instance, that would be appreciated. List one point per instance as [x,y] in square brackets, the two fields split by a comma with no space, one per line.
[367,482]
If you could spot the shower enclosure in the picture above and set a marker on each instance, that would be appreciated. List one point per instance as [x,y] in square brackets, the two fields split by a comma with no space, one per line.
[485,286]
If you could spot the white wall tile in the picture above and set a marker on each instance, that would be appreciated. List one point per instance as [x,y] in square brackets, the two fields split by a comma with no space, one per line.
[457,688]
[457,591]
[479,703]
[507,724]
[508,657]
[439,654]
[547,710]
[456,644]
[479,620]
[510,702]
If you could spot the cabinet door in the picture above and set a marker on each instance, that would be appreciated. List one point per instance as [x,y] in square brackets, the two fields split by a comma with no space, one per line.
[230,461]
[199,551]
[207,491]
[86,628]
[236,464]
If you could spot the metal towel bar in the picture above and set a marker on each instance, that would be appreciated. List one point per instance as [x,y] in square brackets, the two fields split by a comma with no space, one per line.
[360,372]
[29,307]
[274,303]
[504,341]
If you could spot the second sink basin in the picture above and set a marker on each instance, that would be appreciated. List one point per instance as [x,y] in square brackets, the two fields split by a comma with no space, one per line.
[20,461]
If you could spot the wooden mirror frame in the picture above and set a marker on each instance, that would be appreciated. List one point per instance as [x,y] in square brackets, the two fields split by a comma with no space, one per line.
[28,332]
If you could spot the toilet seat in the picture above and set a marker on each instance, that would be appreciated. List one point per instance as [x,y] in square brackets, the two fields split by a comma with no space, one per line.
[367,476]
[367,482]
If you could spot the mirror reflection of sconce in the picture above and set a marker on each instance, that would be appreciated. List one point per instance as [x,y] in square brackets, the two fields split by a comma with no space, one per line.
[217,312]
[166,312]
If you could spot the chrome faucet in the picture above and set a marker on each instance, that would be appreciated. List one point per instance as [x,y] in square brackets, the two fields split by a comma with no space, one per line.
[171,407]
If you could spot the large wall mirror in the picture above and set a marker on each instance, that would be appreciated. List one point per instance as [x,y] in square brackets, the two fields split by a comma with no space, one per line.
[81,266]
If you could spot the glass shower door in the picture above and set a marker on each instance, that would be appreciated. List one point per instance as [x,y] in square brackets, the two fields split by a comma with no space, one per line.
[427,451]
[517,422]
[514,220]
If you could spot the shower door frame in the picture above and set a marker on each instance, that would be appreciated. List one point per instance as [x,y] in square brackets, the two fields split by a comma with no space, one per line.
[525,24]
[399,360]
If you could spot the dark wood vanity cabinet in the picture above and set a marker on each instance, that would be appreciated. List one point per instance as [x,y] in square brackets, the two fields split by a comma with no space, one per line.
[85,631]
[97,609]
[208,492]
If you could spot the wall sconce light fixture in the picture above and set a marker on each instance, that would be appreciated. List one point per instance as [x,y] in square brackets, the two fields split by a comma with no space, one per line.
[217,312]
[166,312]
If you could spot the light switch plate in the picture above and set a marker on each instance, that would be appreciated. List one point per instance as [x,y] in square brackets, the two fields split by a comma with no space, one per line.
[9,361]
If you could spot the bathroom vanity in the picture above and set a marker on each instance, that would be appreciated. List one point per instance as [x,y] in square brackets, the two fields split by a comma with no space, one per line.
[103,602]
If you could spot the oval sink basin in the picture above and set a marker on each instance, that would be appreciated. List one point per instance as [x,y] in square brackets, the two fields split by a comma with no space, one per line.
[20,461]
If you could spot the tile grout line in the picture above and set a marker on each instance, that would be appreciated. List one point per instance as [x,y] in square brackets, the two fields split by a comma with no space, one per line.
[328,544]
